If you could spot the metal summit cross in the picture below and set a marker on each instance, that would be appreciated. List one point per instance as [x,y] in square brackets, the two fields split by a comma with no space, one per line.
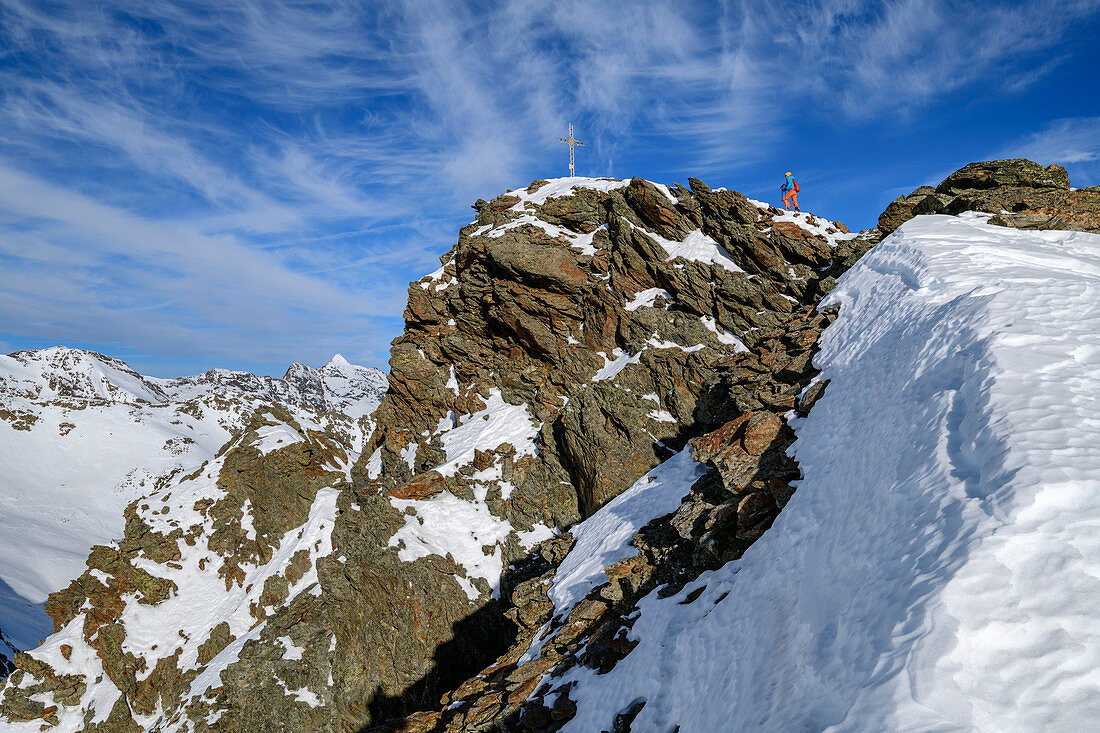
[572,142]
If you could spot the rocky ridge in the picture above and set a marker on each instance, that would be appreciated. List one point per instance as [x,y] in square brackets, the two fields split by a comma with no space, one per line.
[588,345]
[748,479]
[604,310]
[581,332]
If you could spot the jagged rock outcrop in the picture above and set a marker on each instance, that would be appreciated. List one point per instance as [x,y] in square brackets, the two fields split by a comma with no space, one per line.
[1020,192]
[749,398]
[580,333]
[727,509]
[598,316]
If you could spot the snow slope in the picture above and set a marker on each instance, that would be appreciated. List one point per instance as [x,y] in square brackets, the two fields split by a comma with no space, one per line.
[939,566]
[82,435]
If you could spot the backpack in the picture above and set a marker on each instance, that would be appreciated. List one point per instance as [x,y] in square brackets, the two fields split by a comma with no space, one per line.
[795,185]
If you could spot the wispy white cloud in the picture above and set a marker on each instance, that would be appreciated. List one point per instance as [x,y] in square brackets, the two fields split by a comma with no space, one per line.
[862,60]
[1075,140]
[167,284]
[277,171]
[1072,142]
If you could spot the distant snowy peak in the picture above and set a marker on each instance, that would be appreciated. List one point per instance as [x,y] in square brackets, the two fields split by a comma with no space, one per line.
[76,374]
[336,387]
[64,373]
[349,388]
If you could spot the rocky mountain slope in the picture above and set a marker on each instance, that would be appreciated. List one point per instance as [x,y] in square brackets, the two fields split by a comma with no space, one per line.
[635,632]
[581,332]
[592,408]
[82,435]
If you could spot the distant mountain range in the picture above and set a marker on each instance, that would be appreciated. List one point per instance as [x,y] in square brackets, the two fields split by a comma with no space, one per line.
[85,435]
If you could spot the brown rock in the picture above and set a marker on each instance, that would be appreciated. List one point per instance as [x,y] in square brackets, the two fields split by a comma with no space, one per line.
[761,430]
[655,210]
[535,261]
[424,486]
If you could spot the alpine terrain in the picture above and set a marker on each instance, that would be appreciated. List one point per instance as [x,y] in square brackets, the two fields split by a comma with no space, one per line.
[648,458]
[84,436]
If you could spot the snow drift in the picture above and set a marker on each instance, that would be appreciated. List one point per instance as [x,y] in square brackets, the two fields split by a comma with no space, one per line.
[939,566]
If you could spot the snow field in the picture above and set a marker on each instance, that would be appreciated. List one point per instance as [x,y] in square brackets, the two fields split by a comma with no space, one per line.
[496,424]
[104,436]
[556,187]
[939,566]
[583,242]
[697,247]
[200,602]
[68,479]
[647,297]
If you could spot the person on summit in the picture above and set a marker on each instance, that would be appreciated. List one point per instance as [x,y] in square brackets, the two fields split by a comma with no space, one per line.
[790,191]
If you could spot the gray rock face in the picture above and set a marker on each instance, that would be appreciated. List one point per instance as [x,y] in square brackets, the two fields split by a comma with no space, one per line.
[578,333]
[1021,194]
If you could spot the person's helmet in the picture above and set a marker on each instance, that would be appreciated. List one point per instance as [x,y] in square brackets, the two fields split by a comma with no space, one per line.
[788,173]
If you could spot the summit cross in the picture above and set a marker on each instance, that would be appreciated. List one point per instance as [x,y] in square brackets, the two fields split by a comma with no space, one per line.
[572,142]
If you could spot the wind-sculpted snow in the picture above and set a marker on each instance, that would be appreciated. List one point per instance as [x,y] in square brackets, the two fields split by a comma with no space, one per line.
[939,565]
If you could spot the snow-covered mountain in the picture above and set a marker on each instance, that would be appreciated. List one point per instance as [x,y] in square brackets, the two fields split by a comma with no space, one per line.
[649,458]
[338,386]
[567,345]
[82,435]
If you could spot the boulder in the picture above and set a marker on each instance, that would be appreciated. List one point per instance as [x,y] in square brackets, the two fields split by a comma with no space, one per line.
[1004,174]
[1019,193]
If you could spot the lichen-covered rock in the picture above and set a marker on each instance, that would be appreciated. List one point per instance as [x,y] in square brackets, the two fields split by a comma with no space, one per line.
[1019,192]
[1017,172]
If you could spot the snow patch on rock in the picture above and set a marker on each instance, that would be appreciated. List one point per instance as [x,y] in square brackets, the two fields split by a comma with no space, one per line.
[489,428]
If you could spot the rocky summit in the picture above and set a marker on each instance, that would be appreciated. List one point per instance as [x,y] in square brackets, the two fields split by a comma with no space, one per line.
[584,343]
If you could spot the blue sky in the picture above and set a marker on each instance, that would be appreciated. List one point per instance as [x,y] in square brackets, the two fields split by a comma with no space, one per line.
[244,184]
